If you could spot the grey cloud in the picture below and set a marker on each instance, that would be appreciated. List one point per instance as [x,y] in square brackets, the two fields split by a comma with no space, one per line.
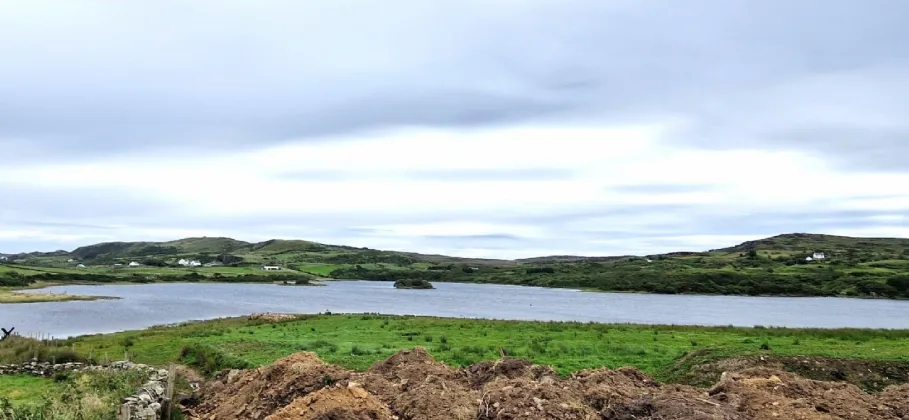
[289,70]
[84,208]
[709,222]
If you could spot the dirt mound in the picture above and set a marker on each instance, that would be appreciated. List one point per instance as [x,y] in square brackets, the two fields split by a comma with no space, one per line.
[337,403]
[765,393]
[870,375]
[258,393]
[411,385]
[670,406]
[523,399]
[435,399]
[897,397]
[411,366]
[483,373]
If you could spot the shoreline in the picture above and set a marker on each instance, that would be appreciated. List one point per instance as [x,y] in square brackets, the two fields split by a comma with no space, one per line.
[17,295]
[323,281]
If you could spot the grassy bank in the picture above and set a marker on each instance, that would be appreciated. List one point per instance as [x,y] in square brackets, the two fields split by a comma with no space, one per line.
[21,295]
[357,341]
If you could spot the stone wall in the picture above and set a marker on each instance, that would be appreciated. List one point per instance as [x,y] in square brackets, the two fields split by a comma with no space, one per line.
[149,402]
[146,404]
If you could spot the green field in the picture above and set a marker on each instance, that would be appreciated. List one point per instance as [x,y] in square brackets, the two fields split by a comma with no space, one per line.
[357,341]
[21,389]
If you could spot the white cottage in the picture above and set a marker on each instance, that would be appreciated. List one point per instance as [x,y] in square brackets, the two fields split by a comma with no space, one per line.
[134,264]
[818,256]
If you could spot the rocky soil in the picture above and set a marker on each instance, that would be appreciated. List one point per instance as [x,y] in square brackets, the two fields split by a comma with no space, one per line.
[412,386]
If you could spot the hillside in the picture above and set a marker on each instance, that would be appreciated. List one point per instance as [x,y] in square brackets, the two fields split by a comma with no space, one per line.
[876,267]
[835,246]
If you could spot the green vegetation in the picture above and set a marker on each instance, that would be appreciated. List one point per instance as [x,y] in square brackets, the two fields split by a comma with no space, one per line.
[16,349]
[858,267]
[357,341]
[16,295]
[18,390]
[413,284]
[85,396]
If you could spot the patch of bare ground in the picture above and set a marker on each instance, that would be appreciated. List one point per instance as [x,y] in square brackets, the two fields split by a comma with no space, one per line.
[411,385]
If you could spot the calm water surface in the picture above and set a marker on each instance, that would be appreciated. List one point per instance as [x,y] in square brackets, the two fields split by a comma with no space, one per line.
[142,306]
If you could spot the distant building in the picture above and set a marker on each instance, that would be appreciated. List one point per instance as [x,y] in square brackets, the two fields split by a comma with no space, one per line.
[70,260]
[80,266]
[809,259]
[271,267]
[818,256]
[189,263]
[134,264]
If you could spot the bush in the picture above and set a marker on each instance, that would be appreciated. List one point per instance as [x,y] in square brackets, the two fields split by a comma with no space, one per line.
[210,360]
[16,349]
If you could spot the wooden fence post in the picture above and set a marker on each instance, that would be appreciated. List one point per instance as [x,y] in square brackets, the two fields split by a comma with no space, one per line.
[124,413]
[169,393]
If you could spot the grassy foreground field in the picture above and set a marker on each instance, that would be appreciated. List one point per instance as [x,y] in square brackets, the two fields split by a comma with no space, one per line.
[357,341]
[21,389]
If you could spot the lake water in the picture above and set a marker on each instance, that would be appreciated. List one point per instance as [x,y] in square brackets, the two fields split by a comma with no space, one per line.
[142,306]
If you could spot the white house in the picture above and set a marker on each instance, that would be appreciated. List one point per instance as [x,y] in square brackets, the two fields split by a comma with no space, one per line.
[809,259]
[134,264]
[819,256]
[80,266]
[189,263]
[271,267]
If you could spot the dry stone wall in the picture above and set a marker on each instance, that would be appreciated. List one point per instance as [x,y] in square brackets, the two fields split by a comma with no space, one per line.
[146,404]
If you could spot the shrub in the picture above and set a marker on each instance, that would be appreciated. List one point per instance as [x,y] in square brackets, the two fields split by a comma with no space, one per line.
[210,360]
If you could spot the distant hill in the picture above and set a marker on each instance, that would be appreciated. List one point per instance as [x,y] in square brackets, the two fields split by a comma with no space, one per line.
[779,266]
[786,244]
[836,246]
[141,249]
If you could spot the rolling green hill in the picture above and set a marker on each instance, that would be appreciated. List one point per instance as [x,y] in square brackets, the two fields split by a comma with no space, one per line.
[874,267]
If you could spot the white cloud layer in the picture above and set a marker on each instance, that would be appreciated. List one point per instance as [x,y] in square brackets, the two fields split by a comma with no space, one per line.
[515,129]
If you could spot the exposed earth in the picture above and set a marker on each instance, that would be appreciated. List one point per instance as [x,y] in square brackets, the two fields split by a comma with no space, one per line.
[412,385]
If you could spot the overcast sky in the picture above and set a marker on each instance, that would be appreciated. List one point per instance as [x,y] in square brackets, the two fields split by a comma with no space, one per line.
[490,128]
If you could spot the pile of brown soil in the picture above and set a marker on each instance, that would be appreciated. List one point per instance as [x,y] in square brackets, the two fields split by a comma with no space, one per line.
[336,403]
[411,385]
[258,393]
[483,373]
